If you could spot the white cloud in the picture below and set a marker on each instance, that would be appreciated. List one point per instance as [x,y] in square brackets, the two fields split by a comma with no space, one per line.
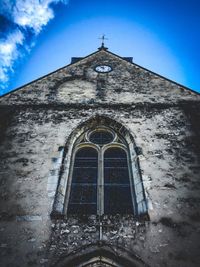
[34,14]
[26,15]
[9,53]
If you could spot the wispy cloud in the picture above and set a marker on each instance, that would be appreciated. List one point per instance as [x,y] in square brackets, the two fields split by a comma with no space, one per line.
[9,52]
[21,21]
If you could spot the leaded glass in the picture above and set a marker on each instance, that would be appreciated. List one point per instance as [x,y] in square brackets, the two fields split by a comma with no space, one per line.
[83,197]
[101,137]
[117,194]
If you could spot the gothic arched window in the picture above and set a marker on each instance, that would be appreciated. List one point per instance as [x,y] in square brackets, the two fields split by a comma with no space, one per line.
[100,177]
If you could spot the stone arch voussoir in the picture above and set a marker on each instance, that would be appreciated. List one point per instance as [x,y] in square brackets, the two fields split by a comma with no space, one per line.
[94,121]
[113,256]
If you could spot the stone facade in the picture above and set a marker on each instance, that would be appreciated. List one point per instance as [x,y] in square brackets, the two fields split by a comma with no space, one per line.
[37,122]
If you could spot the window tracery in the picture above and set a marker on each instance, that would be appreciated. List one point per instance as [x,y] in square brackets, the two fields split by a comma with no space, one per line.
[100,175]
[100,137]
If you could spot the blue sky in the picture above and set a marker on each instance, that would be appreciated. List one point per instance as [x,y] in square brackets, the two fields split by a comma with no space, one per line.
[37,37]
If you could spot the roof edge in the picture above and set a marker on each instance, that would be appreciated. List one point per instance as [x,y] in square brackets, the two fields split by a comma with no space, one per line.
[154,73]
[46,75]
[98,51]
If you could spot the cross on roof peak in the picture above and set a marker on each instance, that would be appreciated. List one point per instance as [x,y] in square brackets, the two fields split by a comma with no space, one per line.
[103,38]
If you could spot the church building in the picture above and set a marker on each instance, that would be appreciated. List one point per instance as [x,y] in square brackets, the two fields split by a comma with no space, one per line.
[100,166]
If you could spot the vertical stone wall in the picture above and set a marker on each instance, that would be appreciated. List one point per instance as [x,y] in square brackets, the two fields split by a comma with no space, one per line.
[31,154]
[35,124]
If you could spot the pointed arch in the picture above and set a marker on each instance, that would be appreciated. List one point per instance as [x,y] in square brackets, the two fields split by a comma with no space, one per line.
[65,179]
[101,254]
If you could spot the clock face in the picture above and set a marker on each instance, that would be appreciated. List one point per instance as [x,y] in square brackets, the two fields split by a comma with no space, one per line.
[103,68]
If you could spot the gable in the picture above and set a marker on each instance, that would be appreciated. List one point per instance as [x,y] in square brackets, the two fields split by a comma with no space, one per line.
[127,83]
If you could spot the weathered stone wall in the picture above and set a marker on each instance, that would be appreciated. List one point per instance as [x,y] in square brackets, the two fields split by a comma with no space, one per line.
[36,123]
[79,83]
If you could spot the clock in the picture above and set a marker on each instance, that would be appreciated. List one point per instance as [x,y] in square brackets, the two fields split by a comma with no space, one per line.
[103,68]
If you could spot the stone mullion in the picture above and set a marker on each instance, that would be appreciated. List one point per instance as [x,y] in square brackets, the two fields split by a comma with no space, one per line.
[100,190]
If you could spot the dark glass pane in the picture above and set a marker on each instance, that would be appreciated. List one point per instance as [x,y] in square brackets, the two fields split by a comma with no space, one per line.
[117,199]
[117,193]
[83,196]
[101,137]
